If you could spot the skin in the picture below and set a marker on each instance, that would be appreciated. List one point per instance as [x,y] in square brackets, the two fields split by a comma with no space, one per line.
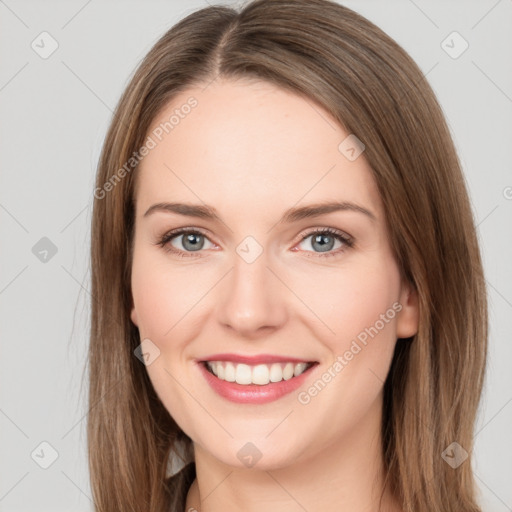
[252,150]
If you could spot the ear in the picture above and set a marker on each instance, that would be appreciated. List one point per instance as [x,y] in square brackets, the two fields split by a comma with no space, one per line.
[408,318]
[133,315]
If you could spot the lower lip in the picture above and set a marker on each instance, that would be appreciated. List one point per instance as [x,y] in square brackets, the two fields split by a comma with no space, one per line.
[253,393]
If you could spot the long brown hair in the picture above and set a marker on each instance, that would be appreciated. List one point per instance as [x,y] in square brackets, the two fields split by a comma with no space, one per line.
[334,57]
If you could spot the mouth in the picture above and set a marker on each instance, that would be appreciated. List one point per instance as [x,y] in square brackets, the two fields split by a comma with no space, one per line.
[260,374]
[255,380]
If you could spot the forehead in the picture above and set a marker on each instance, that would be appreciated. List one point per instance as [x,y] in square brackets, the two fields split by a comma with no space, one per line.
[250,146]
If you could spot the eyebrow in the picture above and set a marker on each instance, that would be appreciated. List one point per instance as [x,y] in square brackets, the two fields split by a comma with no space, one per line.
[291,215]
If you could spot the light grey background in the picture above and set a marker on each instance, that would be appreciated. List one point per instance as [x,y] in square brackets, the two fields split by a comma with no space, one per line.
[54,115]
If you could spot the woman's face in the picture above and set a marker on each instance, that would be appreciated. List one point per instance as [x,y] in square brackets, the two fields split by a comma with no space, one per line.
[262,280]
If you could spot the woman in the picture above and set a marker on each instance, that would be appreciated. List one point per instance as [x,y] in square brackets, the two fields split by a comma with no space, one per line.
[289,296]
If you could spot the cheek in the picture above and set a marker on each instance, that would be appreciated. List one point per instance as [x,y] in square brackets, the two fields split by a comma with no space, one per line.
[350,301]
[368,303]
[161,297]
[361,307]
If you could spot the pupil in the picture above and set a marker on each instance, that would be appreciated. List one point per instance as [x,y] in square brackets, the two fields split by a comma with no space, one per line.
[192,239]
[325,246]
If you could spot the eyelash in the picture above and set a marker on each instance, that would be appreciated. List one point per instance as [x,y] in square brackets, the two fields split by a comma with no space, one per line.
[338,235]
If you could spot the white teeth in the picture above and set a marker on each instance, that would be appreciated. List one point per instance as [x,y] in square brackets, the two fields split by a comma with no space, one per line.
[229,372]
[288,371]
[243,374]
[276,373]
[299,368]
[261,374]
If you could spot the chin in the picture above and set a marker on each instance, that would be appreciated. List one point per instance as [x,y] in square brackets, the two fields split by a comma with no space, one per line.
[260,453]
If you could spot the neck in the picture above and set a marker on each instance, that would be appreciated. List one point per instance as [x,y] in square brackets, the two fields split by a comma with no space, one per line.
[346,475]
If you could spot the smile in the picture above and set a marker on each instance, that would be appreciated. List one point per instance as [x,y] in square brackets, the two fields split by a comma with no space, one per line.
[261,374]
[255,383]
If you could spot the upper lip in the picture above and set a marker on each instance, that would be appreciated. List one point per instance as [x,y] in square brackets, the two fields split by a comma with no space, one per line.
[254,359]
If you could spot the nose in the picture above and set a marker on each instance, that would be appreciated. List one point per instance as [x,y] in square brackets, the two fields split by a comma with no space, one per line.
[253,299]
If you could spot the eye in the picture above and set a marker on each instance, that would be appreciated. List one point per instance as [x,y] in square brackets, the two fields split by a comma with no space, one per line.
[324,240]
[191,240]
